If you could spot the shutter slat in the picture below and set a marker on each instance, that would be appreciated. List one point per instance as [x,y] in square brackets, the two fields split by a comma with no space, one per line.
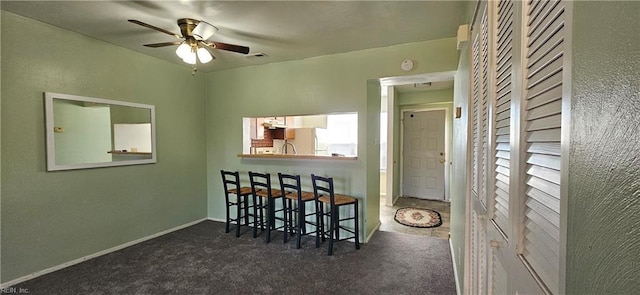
[504,162]
[547,273]
[540,260]
[502,138]
[543,135]
[504,115]
[546,148]
[545,110]
[503,147]
[543,160]
[551,202]
[544,123]
[503,172]
[544,97]
[546,226]
[553,16]
[551,175]
[502,154]
[548,48]
[542,240]
[545,212]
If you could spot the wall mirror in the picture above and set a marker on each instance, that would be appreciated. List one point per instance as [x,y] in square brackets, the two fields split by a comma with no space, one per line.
[86,132]
[314,135]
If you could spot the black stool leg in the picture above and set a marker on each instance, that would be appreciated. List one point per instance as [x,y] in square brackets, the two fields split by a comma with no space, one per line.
[319,227]
[332,227]
[269,219]
[284,213]
[357,236]
[226,229]
[238,214]
[300,224]
[256,218]
[246,210]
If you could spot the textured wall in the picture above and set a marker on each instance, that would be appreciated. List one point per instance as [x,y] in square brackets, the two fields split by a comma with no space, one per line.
[49,218]
[603,252]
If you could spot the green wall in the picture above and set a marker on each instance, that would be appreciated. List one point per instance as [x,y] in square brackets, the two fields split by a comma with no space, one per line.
[603,226]
[459,154]
[49,218]
[325,84]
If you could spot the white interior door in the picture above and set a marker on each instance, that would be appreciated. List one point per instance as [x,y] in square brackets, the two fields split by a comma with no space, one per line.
[424,154]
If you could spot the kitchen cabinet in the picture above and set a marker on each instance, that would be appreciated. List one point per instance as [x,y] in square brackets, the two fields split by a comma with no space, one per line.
[283,133]
[257,128]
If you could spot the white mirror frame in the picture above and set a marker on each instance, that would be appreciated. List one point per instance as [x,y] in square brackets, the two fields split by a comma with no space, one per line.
[51,148]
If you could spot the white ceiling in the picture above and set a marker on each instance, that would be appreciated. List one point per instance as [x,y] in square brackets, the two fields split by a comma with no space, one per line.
[283,30]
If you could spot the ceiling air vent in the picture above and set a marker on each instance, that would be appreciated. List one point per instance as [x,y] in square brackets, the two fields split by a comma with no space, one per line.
[422,85]
[256,55]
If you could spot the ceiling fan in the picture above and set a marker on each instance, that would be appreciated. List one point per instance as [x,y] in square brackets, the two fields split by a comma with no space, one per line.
[194,41]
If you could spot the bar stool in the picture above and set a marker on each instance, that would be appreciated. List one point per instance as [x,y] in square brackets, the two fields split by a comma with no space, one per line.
[290,186]
[261,187]
[231,182]
[324,194]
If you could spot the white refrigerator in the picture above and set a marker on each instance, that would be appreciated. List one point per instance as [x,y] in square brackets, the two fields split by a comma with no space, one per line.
[306,142]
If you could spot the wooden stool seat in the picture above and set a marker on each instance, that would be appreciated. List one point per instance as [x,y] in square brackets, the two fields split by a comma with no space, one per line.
[275,193]
[245,190]
[306,196]
[339,199]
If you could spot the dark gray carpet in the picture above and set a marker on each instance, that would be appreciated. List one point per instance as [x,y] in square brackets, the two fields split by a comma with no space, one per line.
[202,259]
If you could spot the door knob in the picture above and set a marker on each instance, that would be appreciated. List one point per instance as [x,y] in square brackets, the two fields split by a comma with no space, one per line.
[442,161]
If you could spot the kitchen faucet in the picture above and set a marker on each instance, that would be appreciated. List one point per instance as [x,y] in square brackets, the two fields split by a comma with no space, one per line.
[284,148]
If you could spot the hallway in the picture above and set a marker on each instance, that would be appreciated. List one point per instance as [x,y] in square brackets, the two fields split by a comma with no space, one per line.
[390,225]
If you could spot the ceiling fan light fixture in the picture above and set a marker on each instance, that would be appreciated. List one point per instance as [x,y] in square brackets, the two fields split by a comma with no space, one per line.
[203,55]
[184,50]
[190,59]
[204,30]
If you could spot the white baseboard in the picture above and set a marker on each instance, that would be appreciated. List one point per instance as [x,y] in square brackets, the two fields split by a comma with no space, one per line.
[94,255]
[455,269]
[375,229]
[217,219]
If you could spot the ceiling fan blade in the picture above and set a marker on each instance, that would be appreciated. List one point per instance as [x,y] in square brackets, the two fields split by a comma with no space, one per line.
[163,44]
[137,22]
[228,47]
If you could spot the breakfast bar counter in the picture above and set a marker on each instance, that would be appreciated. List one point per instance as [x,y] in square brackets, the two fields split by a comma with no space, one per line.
[297,157]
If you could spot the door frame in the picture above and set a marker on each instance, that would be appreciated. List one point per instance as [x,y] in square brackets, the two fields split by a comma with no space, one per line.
[447,137]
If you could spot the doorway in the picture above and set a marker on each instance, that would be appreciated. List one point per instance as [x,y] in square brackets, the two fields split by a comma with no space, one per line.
[403,95]
[424,154]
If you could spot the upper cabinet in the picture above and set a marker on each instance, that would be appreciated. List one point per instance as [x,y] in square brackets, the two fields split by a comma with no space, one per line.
[257,128]
[278,127]
[314,121]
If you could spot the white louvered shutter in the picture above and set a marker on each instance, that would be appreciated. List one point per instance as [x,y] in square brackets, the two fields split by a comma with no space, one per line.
[475,119]
[484,101]
[474,252]
[502,112]
[544,47]
[499,284]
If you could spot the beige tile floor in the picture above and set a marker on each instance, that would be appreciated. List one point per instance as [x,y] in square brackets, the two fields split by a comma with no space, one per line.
[389,224]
